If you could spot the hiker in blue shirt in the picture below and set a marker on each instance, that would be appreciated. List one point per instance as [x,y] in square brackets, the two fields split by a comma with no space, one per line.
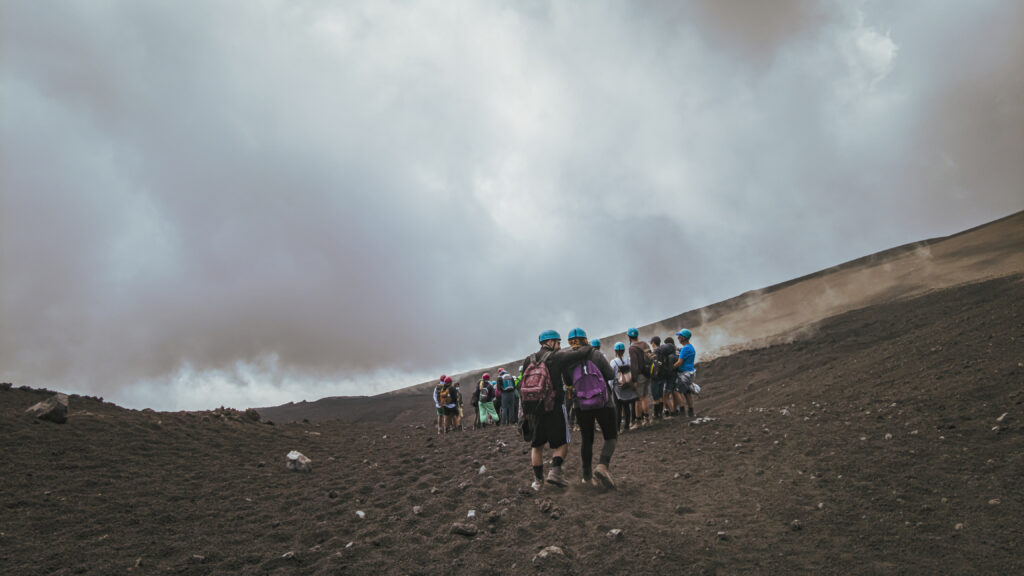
[686,368]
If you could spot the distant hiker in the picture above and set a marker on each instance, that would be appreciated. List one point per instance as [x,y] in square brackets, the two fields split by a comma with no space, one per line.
[640,359]
[543,405]
[437,404]
[665,355]
[657,381]
[449,408]
[663,376]
[496,394]
[595,403]
[625,392]
[458,402]
[508,397]
[485,398]
[686,368]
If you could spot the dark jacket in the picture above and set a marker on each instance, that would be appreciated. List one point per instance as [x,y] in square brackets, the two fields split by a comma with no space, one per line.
[602,364]
[667,352]
[557,362]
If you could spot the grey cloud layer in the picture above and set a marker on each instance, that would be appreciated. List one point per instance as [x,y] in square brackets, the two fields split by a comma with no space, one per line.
[278,193]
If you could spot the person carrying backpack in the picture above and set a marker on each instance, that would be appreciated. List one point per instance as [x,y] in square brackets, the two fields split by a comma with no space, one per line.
[508,396]
[686,368]
[457,393]
[625,392]
[594,404]
[449,407]
[542,401]
[640,359]
[485,398]
[663,376]
[437,403]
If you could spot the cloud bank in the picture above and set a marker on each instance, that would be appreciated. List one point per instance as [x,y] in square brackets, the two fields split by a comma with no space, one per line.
[207,203]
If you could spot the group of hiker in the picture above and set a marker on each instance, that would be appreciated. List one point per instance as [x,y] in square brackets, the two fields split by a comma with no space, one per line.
[559,389]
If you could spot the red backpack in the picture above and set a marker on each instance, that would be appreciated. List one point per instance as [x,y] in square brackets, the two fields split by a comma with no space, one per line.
[535,391]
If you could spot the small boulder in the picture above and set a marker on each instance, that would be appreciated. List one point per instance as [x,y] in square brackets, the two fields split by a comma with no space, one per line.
[297,462]
[463,528]
[796,525]
[614,534]
[417,510]
[551,552]
[53,409]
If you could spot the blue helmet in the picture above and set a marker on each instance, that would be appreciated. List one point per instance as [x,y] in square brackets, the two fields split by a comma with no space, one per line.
[633,333]
[684,333]
[595,343]
[549,335]
[620,347]
[577,333]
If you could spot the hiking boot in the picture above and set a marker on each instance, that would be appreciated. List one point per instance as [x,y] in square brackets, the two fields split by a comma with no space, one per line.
[601,473]
[692,415]
[555,477]
[536,485]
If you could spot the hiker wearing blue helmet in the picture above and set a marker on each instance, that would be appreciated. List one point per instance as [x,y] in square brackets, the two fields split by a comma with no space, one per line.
[625,391]
[594,404]
[542,405]
[640,359]
[687,370]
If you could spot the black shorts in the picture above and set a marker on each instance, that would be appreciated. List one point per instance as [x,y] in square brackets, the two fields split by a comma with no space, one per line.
[453,411]
[551,428]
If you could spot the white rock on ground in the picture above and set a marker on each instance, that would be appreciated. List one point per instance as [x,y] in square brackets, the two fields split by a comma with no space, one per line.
[297,462]
[53,409]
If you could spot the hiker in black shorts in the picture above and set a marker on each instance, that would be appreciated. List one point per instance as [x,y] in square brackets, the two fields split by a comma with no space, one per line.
[543,405]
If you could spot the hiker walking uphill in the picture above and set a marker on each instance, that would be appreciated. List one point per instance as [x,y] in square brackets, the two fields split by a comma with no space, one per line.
[485,396]
[437,404]
[640,358]
[663,376]
[508,396]
[687,370]
[543,405]
[594,404]
[625,392]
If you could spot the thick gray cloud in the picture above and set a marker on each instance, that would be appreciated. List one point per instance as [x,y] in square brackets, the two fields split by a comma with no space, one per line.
[247,203]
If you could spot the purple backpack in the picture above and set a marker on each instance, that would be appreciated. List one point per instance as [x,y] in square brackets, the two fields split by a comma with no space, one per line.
[589,385]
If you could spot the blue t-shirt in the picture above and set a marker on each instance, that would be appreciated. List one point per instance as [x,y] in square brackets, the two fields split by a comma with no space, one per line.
[687,354]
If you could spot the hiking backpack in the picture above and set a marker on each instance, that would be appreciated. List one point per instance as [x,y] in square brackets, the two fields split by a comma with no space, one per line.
[646,357]
[507,383]
[589,385]
[663,366]
[445,396]
[624,377]
[536,390]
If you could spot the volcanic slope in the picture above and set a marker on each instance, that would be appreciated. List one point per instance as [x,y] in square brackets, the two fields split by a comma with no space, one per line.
[759,318]
[886,440]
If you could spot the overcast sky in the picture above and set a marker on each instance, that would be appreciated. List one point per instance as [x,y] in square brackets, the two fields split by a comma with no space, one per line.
[252,202]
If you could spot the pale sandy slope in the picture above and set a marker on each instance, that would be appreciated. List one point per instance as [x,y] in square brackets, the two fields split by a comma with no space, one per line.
[787,310]
[783,311]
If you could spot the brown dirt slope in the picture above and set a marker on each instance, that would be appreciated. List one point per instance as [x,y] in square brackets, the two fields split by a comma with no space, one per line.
[893,454]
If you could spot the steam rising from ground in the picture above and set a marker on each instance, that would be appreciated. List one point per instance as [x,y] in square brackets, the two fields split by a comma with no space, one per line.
[241,204]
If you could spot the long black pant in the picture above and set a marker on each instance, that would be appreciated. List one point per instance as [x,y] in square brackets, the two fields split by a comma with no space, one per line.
[604,417]
[625,409]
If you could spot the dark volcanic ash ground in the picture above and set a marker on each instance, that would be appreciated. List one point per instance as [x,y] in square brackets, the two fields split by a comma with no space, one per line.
[890,441]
